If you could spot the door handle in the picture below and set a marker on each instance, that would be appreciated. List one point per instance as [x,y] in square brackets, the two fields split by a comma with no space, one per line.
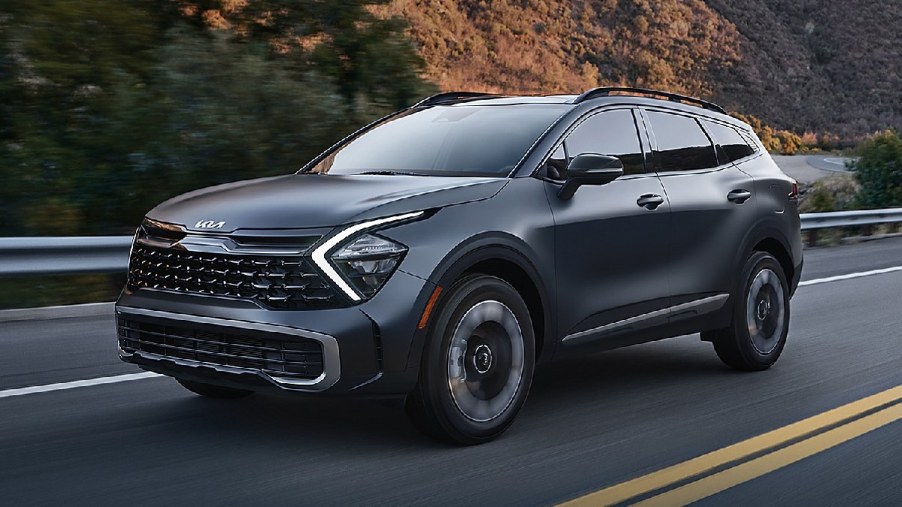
[650,201]
[739,196]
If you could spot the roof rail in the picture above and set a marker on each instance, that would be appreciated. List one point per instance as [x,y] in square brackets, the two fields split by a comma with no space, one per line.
[451,98]
[607,91]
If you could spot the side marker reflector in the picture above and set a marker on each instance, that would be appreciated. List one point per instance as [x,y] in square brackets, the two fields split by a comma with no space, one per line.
[424,319]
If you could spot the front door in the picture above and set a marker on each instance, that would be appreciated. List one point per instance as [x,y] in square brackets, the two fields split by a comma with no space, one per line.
[609,238]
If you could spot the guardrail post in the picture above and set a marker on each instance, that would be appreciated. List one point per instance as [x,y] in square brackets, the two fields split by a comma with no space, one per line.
[812,237]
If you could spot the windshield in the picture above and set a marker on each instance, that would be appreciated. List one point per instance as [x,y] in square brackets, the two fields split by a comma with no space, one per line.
[458,140]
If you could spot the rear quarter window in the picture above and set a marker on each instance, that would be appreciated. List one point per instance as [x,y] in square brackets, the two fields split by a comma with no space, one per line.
[731,145]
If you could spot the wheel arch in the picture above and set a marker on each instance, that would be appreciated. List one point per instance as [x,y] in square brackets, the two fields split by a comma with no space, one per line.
[505,257]
[773,246]
[767,237]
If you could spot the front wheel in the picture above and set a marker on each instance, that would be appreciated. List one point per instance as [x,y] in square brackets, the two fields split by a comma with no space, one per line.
[757,334]
[477,363]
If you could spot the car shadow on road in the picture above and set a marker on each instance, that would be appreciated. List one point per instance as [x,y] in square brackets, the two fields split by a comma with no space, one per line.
[634,378]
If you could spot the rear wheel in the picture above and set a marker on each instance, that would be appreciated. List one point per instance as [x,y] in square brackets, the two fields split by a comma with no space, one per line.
[477,365]
[212,391]
[757,334]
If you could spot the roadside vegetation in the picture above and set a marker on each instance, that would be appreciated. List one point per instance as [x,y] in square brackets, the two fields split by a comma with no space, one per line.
[110,106]
[796,65]
[875,182]
[878,169]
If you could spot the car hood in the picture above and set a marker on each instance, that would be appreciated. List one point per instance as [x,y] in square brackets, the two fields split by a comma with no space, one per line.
[317,201]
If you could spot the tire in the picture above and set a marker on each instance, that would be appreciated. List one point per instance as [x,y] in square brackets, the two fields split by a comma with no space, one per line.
[477,364]
[212,391]
[757,334]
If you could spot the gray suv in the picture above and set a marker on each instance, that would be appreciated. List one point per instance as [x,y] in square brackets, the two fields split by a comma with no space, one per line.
[443,251]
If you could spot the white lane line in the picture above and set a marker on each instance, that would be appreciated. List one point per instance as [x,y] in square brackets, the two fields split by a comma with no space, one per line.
[850,276]
[77,383]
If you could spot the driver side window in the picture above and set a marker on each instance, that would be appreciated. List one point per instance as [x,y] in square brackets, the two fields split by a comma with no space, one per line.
[611,133]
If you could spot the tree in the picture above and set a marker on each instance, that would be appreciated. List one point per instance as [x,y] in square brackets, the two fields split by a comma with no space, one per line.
[879,170]
[111,106]
[61,62]
[367,57]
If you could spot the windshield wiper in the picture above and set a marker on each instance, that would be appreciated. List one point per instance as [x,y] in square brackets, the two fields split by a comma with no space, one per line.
[390,173]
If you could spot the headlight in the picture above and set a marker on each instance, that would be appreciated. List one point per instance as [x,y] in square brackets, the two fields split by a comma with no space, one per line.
[368,261]
[365,261]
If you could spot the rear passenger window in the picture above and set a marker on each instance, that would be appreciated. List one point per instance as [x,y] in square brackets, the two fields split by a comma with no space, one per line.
[682,144]
[609,133]
[731,145]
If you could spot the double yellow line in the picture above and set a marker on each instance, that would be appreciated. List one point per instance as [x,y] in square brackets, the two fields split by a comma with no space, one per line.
[849,421]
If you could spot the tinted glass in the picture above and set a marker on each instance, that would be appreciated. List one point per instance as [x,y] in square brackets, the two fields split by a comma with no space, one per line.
[610,133]
[682,144]
[446,140]
[750,140]
[732,146]
[556,165]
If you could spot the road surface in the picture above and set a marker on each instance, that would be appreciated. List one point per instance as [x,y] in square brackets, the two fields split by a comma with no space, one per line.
[810,168]
[590,423]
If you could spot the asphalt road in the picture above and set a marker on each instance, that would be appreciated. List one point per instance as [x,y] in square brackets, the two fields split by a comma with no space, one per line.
[810,168]
[590,422]
[826,163]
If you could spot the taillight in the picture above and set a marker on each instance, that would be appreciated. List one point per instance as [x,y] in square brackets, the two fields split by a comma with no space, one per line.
[794,191]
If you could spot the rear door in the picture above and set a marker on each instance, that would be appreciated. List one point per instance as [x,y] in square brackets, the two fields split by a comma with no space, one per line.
[712,207]
[608,238]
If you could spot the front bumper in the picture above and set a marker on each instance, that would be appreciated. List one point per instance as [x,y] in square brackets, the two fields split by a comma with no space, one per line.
[368,349]
[331,358]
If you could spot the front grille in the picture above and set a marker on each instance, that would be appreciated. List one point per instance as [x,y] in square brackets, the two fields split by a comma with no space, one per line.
[281,282]
[274,354]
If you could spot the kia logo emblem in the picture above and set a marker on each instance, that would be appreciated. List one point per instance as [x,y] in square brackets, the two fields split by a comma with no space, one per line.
[208,224]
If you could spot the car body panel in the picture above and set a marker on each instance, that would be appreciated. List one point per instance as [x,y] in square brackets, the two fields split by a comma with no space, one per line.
[607,253]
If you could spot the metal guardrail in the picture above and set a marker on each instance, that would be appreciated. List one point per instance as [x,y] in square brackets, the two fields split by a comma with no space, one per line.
[109,254]
[814,222]
[63,255]
[811,221]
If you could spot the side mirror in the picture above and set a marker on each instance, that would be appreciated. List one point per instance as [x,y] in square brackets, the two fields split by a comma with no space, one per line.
[590,169]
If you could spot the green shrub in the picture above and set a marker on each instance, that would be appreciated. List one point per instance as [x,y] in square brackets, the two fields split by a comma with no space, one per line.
[879,170]
[816,200]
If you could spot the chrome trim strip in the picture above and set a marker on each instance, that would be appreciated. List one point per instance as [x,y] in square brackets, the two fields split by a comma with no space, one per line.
[331,357]
[708,304]
[193,242]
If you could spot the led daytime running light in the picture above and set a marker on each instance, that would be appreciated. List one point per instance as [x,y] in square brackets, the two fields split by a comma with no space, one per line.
[319,254]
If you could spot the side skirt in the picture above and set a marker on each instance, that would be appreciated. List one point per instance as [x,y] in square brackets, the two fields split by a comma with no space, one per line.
[649,320]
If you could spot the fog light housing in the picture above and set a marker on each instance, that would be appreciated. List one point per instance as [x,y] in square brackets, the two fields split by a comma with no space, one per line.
[368,261]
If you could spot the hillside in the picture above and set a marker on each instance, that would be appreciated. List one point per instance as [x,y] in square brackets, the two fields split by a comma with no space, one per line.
[816,65]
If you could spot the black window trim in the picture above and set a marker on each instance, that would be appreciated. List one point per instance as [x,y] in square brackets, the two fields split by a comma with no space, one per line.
[585,116]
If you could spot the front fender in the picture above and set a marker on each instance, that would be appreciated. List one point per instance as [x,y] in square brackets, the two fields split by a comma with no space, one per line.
[515,226]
